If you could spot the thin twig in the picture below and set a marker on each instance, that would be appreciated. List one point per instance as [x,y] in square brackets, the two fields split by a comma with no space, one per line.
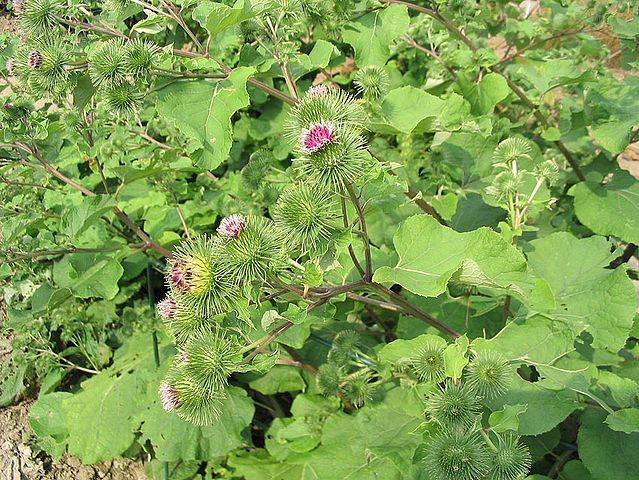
[149,243]
[411,42]
[180,214]
[290,82]
[536,43]
[152,140]
[46,253]
[558,466]
[175,73]
[414,311]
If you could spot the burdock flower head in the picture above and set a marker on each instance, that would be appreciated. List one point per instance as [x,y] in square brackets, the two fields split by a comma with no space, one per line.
[317,91]
[191,275]
[316,137]
[198,285]
[167,309]
[168,396]
[34,59]
[231,226]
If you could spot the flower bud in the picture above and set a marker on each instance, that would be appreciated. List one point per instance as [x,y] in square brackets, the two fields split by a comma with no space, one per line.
[428,362]
[511,461]
[190,275]
[358,388]
[456,456]
[454,407]
[307,214]
[372,81]
[212,357]
[489,375]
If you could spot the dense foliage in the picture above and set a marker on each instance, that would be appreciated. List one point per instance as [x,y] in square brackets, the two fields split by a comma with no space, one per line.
[304,239]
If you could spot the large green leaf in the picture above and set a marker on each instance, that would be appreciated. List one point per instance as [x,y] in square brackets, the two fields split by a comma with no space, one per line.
[588,295]
[79,217]
[378,442]
[372,34]
[101,418]
[615,106]
[607,454]
[88,275]
[406,109]
[202,111]
[216,17]
[626,420]
[403,108]
[48,423]
[430,254]
[538,340]
[487,93]
[610,209]
[545,407]
[175,440]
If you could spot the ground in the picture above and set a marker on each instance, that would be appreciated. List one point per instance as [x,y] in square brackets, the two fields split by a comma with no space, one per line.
[19,462]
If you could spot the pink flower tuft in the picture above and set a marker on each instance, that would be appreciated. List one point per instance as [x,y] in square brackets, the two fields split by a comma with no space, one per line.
[168,396]
[316,137]
[184,356]
[34,59]
[317,91]
[231,226]
[10,66]
[18,6]
[178,275]
[167,309]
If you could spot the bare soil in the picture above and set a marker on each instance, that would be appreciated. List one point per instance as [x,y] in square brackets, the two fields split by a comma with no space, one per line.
[18,461]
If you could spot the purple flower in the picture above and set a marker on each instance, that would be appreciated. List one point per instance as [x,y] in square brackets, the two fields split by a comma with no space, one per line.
[178,275]
[168,396]
[10,66]
[34,59]
[231,226]
[316,137]
[317,91]
[167,309]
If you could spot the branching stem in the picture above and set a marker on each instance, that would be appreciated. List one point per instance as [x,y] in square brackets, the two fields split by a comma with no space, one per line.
[543,120]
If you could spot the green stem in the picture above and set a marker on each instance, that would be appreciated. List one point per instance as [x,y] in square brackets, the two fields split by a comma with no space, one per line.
[351,252]
[489,442]
[362,221]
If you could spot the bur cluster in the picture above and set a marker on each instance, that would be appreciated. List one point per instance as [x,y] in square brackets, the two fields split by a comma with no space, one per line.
[212,279]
